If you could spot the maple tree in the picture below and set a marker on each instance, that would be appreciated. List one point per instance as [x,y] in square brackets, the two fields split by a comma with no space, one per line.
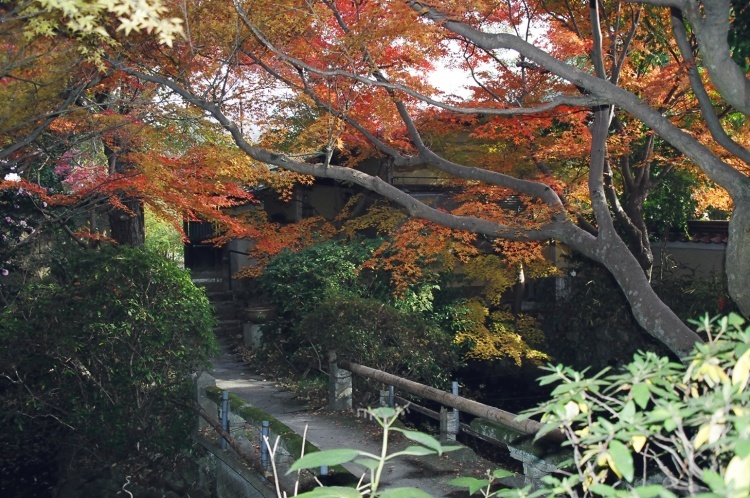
[86,144]
[607,91]
[575,95]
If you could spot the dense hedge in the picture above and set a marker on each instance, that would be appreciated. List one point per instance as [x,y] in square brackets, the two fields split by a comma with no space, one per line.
[101,351]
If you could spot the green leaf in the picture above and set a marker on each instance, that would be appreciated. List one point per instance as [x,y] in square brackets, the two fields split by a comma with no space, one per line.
[604,490]
[414,451]
[622,459]
[404,493]
[421,438]
[325,457]
[641,394]
[331,492]
[383,412]
[500,473]
[543,430]
[369,463]
[742,448]
[628,412]
[472,483]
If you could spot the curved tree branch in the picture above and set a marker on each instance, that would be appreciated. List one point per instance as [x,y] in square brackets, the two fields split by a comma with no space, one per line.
[736,183]
[712,120]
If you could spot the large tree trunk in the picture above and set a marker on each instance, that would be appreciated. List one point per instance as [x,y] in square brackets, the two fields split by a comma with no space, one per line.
[738,255]
[128,226]
[639,244]
[647,307]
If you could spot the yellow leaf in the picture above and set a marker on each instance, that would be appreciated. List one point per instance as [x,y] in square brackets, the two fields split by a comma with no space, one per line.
[741,371]
[738,473]
[611,464]
[712,431]
[712,374]
[638,442]
[702,437]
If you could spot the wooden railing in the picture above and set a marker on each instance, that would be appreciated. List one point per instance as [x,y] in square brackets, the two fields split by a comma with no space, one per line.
[500,427]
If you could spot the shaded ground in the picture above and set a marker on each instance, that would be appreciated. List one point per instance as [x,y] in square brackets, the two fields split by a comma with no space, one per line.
[329,430]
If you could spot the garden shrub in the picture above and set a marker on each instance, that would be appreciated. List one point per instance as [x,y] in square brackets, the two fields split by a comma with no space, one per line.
[380,336]
[105,347]
[297,282]
[655,427]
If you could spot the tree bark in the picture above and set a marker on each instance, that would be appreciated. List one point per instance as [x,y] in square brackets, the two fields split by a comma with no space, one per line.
[738,255]
[128,226]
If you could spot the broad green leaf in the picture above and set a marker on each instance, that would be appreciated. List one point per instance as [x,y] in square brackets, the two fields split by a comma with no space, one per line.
[735,320]
[325,457]
[369,463]
[622,460]
[420,437]
[414,451]
[383,412]
[403,493]
[714,480]
[331,492]
[670,424]
[545,429]
[628,412]
[603,490]
[446,449]
[472,483]
[742,448]
[500,473]
[641,395]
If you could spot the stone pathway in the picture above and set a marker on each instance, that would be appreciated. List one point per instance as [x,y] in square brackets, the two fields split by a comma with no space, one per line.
[330,430]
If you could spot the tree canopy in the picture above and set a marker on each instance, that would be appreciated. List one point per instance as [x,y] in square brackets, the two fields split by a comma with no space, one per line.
[580,109]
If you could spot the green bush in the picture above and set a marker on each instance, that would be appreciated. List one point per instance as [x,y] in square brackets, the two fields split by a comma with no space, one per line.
[325,300]
[657,428]
[380,336]
[105,347]
[297,282]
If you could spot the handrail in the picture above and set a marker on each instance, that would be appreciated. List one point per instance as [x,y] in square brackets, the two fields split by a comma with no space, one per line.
[466,405]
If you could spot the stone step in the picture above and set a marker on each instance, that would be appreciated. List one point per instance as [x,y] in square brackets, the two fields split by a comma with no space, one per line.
[220,295]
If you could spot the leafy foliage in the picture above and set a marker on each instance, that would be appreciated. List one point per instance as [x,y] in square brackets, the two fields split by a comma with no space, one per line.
[375,334]
[104,347]
[671,204]
[485,335]
[657,427]
[163,238]
[375,464]
[326,301]
[652,428]
[297,282]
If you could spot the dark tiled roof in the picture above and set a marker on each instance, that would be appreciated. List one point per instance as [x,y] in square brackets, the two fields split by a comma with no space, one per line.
[703,232]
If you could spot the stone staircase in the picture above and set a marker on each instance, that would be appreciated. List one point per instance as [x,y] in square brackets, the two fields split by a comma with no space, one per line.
[227,309]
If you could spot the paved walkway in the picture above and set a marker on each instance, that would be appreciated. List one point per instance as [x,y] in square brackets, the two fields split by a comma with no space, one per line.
[329,430]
